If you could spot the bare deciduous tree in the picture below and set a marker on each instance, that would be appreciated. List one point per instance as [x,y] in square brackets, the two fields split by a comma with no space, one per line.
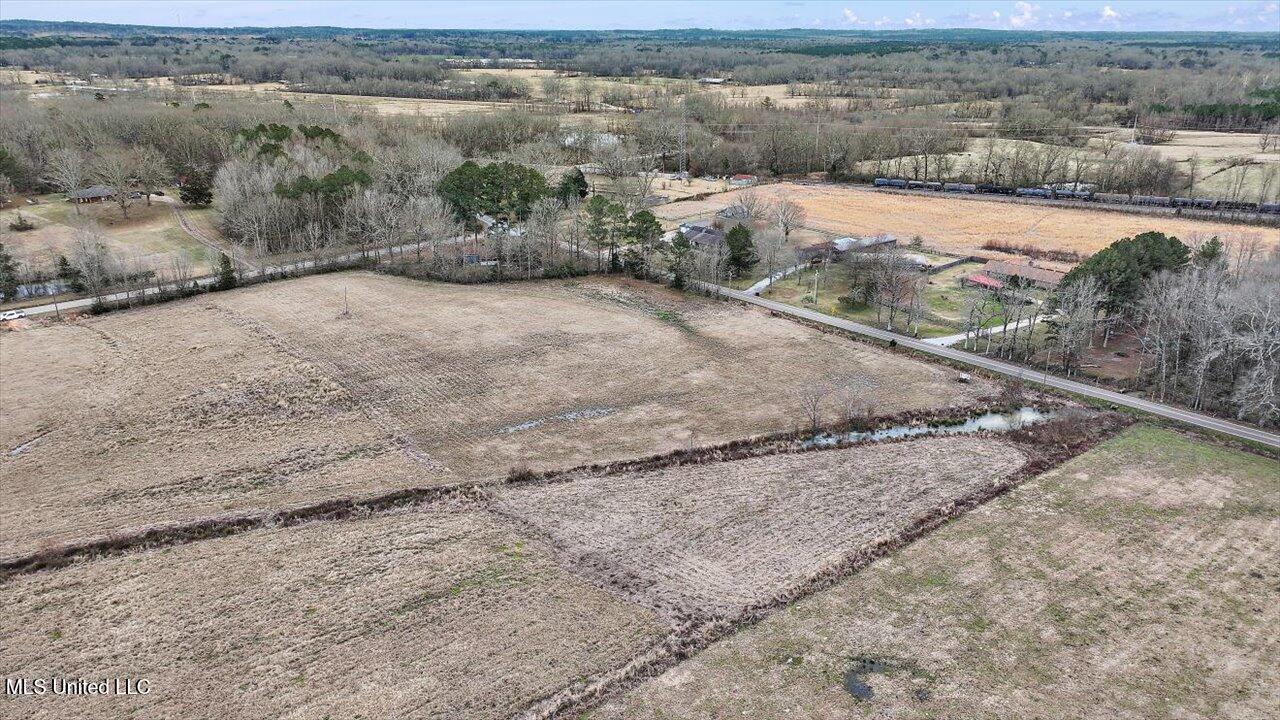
[750,206]
[152,171]
[788,216]
[1072,327]
[69,170]
[90,256]
[116,169]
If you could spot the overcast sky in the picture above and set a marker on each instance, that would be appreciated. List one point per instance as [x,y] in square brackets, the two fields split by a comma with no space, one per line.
[1261,15]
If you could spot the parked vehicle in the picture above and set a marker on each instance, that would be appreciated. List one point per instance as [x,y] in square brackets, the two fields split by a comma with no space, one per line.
[12,315]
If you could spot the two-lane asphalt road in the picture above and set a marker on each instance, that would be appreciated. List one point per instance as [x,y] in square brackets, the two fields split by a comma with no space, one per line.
[1199,420]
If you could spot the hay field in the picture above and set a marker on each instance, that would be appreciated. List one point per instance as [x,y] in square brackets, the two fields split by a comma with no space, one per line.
[1136,580]
[380,105]
[424,612]
[962,225]
[711,540]
[356,383]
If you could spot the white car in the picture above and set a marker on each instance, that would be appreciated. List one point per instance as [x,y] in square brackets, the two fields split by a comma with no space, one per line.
[12,315]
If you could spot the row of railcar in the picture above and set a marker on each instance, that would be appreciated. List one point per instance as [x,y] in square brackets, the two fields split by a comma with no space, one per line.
[1079,194]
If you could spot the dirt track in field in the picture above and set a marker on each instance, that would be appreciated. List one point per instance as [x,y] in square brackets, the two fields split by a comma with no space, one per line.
[272,396]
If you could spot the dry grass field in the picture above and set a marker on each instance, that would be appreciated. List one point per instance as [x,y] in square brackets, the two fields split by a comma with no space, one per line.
[714,539]
[433,612]
[356,383]
[672,189]
[380,105]
[150,237]
[1225,164]
[1136,581]
[962,225]
[476,608]
[373,103]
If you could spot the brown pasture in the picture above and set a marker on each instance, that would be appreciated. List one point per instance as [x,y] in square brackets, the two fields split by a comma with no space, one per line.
[356,383]
[963,225]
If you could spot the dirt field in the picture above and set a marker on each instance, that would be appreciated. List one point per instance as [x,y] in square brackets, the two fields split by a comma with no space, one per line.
[713,539]
[149,237]
[962,225]
[1135,581]
[430,613]
[449,609]
[357,383]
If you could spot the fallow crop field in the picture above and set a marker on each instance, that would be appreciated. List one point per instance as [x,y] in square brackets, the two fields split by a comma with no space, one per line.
[435,613]
[498,604]
[715,539]
[356,383]
[1136,580]
[962,225]
[542,594]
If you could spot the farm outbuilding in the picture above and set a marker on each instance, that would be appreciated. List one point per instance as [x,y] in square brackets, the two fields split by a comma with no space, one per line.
[865,244]
[1042,278]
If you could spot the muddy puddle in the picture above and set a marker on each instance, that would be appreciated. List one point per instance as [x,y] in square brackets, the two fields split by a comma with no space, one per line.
[853,679]
[861,668]
[990,421]
[23,447]
[571,416]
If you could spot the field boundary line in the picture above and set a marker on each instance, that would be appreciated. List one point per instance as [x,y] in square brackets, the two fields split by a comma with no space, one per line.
[189,531]
[185,533]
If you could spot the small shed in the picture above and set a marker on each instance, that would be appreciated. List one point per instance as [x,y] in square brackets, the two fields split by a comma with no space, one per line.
[865,244]
[982,281]
[1043,278]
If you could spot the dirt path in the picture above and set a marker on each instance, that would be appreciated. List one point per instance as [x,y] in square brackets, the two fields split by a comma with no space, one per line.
[236,254]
